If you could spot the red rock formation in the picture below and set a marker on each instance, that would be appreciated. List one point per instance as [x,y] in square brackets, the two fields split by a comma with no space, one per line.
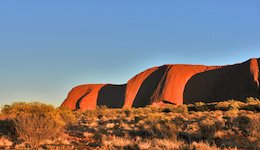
[172,85]
[83,97]
[176,84]
[134,84]
[254,68]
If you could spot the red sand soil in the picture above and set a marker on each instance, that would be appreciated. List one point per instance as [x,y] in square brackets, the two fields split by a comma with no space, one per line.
[176,84]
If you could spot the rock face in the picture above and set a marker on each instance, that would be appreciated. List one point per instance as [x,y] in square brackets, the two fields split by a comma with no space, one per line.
[176,84]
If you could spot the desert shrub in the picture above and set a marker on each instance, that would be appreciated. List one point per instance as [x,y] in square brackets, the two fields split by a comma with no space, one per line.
[103,111]
[63,115]
[202,146]
[142,131]
[242,122]
[181,109]
[166,144]
[33,107]
[90,114]
[127,112]
[115,143]
[175,109]
[179,121]
[251,100]
[68,116]
[14,108]
[229,105]
[208,128]
[142,110]
[164,129]
[252,106]
[148,110]
[137,119]
[35,122]
[228,122]
[222,106]
[102,107]
[236,105]
[200,106]
[35,128]
[154,117]
[255,130]
[7,128]
[249,107]
[153,109]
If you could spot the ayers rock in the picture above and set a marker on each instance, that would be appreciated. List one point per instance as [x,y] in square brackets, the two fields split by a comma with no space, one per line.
[175,84]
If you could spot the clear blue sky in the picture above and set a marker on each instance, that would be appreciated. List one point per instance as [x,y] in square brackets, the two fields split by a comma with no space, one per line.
[47,47]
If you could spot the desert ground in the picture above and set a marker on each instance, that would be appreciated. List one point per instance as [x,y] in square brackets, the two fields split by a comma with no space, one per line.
[223,125]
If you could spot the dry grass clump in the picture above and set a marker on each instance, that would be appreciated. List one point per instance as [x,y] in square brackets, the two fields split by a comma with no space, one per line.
[120,143]
[229,105]
[252,104]
[202,146]
[164,130]
[208,128]
[255,130]
[141,144]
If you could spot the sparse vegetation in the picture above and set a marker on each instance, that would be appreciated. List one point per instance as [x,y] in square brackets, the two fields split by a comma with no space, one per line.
[255,129]
[224,125]
[34,123]
[35,128]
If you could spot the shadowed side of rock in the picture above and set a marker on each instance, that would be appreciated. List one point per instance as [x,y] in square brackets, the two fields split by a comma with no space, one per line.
[148,87]
[112,96]
[231,82]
